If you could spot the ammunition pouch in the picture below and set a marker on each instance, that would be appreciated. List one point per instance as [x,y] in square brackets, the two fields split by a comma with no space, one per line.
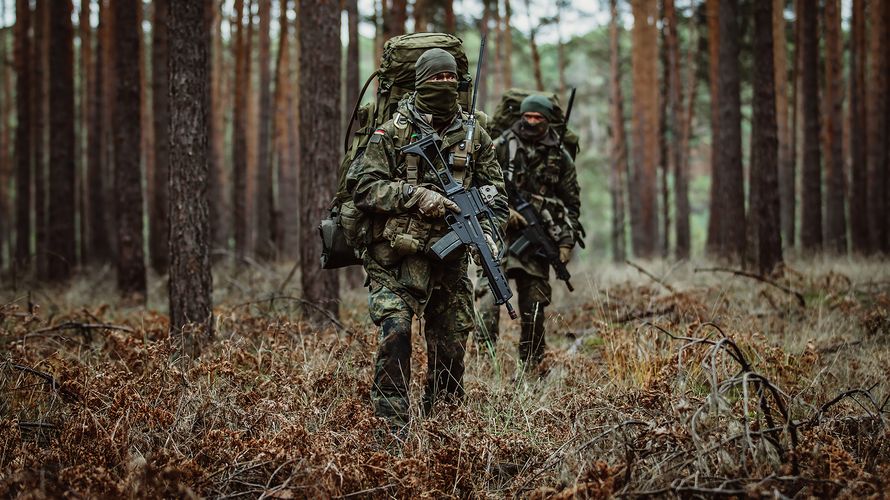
[407,234]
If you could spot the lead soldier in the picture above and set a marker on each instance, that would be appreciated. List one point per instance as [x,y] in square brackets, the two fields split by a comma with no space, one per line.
[407,211]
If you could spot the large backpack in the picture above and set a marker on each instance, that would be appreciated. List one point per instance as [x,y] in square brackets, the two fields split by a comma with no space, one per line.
[348,229]
[507,113]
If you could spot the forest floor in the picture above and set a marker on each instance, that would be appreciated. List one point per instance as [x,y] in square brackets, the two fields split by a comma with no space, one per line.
[682,384]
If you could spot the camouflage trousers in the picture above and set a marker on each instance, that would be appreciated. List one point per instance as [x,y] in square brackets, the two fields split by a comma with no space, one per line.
[448,321]
[534,294]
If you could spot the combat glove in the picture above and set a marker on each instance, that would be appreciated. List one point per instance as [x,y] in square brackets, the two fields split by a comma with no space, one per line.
[565,254]
[516,220]
[492,246]
[431,204]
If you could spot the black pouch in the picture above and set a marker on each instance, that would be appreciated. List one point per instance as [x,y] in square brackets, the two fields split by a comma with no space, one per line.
[335,250]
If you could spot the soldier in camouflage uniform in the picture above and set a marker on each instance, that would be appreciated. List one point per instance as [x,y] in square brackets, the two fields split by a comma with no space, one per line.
[407,212]
[530,154]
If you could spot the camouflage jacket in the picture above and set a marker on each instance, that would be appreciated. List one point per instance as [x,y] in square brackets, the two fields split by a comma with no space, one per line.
[398,255]
[545,175]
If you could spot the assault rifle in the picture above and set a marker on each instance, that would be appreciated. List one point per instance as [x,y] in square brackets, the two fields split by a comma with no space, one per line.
[536,235]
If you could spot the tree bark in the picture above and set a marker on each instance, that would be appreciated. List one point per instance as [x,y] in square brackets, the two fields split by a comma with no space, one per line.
[40,113]
[450,18]
[7,62]
[811,196]
[394,19]
[764,188]
[239,138]
[353,85]
[786,169]
[728,136]
[714,215]
[62,239]
[835,184]
[319,71]
[220,209]
[644,218]
[280,130]
[618,156]
[159,230]
[127,142]
[86,93]
[420,11]
[858,157]
[191,283]
[876,141]
[264,244]
[24,70]
[536,57]
[289,172]
[99,244]
[508,46]
[681,174]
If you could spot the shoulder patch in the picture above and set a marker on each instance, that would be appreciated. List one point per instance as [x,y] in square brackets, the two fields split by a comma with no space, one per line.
[377,136]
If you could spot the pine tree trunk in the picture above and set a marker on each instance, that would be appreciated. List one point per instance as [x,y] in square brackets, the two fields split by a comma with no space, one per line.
[40,113]
[811,196]
[279,124]
[420,12]
[99,245]
[618,156]
[560,50]
[319,36]
[394,19]
[86,92]
[353,85]
[219,208]
[159,230]
[644,218]
[147,140]
[127,142]
[252,131]
[288,172]
[835,185]
[681,173]
[876,141]
[450,19]
[61,230]
[109,78]
[265,246]
[24,83]
[8,65]
[858,131]
[786,169]
[764,207]
[714,215]
[483,31]
[728,136]
[508,46]
[239,138]
[191,283]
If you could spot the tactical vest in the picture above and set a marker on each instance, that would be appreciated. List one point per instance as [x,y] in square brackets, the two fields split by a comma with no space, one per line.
[409,233]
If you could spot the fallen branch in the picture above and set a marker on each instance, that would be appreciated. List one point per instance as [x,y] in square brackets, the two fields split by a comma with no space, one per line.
[47,378]
[762,279]
[651,276]
[71,325]
[633,316]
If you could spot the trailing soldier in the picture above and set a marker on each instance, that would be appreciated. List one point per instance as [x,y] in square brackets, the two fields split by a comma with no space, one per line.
[542,183]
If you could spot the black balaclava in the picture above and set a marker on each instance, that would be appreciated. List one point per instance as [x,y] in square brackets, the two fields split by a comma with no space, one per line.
[436,98]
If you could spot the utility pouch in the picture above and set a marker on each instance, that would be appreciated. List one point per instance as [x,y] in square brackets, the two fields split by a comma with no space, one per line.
[335,250]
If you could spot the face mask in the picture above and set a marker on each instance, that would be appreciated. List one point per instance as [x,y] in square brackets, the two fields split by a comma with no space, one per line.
[533,131]
[437,98]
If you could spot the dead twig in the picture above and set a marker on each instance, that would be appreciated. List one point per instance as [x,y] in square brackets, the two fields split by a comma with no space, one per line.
[762,279]
[651,276]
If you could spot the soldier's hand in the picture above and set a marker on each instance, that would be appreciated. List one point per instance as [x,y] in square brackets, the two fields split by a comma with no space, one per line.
[516,220]
[565,254]
[492,247]
[432,204]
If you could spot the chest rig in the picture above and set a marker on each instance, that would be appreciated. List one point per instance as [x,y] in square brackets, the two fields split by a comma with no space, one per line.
[456,156]
[537,175]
